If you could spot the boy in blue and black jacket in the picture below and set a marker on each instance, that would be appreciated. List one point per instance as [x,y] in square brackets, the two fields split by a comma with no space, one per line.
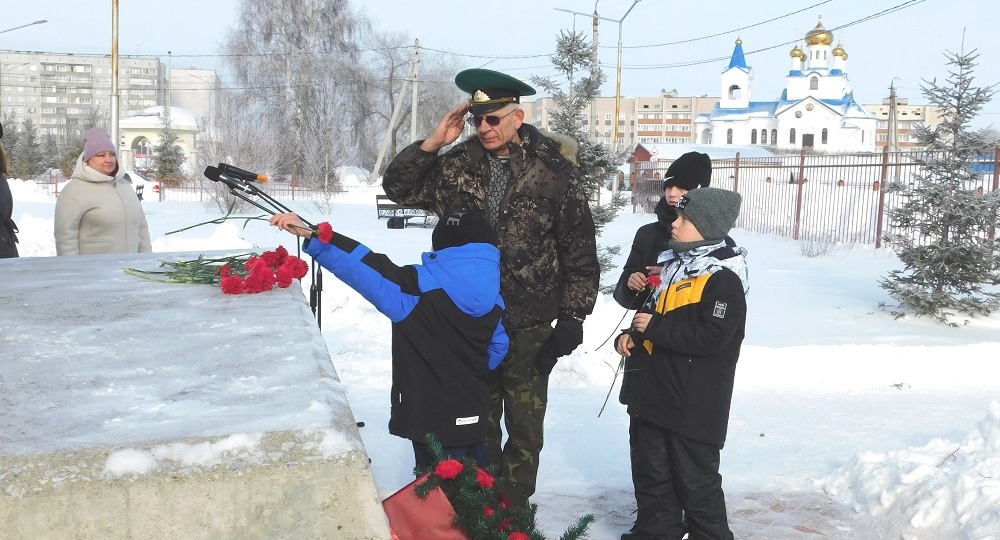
[684,347]
[447,327]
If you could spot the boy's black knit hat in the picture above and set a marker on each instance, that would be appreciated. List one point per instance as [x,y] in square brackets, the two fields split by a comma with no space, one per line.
[713,211]
[691,170]
[460,228]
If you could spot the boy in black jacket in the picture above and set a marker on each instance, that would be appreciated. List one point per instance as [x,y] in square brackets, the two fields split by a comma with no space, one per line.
[685,346]
[447,329]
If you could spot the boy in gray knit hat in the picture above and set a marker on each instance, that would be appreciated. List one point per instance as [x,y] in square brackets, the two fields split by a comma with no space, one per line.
[685,344]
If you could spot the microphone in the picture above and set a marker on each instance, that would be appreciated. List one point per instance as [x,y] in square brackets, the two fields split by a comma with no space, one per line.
[238,173]
[216,175]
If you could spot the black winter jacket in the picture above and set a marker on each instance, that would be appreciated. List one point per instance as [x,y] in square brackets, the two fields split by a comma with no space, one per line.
[447,332]
[8,239]
[686,358]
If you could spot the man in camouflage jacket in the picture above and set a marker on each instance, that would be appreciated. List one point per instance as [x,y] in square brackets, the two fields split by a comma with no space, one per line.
[527,184]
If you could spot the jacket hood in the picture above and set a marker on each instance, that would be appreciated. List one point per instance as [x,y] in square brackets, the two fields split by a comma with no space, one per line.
[84,172]
[666,214]
[470,274]
[710,259]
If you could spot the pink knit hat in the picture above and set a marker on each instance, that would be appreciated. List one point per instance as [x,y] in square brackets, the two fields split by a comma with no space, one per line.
[95,141]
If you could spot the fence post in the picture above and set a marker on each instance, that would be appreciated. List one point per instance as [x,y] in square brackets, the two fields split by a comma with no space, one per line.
[736,174]
[879,221]
[798,198]
[996,185]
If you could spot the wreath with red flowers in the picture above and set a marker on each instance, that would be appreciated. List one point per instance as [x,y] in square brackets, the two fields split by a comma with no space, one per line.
[482,509]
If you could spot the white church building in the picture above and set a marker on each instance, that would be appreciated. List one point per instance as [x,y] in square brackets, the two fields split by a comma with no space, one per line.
[816,110]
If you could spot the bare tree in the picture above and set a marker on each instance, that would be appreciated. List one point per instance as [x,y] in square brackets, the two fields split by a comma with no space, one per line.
[390,58]
[298,62]
[244,134]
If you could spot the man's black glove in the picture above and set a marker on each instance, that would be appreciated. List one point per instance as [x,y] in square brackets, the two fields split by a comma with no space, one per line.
[564,339]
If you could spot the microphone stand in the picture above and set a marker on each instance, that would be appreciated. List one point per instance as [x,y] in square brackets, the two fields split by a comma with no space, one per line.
[238,187]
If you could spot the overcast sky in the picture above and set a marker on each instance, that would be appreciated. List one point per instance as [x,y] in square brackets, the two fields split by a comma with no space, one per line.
[902,45]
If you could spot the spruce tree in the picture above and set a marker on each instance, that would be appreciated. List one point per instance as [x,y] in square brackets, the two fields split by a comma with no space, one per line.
[582,79]
[943,226]
[24,151]
[167,155]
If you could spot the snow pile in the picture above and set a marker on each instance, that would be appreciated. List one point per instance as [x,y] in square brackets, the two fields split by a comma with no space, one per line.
[942,490]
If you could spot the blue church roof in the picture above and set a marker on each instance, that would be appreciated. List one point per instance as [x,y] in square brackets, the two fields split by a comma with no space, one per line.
[738,60]
[754,108]
[844,105]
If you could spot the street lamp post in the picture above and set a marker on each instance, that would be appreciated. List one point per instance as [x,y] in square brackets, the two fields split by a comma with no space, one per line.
[43,21]
[618,85]
[618,81]
[23,26]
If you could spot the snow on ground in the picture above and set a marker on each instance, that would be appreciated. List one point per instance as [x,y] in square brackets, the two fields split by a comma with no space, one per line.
[845,422]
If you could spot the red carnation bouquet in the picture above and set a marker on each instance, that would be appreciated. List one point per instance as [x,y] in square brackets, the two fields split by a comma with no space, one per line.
[247,273]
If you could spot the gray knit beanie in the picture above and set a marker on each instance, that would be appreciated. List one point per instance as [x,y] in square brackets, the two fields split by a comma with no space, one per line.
[713,211]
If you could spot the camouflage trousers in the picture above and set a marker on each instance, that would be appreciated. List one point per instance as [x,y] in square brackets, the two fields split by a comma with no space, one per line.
[518,394]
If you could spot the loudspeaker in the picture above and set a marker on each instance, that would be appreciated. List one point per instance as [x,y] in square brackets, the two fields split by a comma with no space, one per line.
[396,222]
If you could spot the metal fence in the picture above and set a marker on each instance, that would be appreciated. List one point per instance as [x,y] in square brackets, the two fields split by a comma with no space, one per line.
[838,198]
[204,190]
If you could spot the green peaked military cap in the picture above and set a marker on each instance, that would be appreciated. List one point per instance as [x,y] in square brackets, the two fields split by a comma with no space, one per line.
[491,90]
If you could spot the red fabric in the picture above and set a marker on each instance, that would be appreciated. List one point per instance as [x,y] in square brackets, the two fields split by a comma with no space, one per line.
[413,518]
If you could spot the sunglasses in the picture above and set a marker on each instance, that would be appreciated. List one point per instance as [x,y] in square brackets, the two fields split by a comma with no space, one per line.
[492,120]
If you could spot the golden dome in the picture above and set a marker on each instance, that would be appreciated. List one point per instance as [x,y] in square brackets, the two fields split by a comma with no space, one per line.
[739,41]
[797,52]
[819,35]
[839,51]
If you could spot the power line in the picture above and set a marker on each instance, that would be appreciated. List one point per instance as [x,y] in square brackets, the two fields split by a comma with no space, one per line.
[898,7]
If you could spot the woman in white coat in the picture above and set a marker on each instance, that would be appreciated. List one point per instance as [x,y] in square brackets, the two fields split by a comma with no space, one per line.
[98,211]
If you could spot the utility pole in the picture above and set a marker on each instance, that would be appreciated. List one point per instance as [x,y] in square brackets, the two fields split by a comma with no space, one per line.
[392,120]
[413,105]
[595,63]
[114,78]
[892,140]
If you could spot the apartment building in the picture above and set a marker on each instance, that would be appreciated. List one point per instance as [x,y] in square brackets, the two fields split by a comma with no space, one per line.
[664,119]
[62,93]
[907,118]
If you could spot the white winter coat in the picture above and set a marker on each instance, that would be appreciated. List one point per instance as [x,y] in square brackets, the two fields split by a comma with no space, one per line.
[99,214]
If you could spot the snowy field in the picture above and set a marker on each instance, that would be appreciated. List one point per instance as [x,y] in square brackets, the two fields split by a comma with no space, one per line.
[845,422]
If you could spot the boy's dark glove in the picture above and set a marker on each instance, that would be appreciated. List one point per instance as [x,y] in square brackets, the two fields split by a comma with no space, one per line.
[564,339]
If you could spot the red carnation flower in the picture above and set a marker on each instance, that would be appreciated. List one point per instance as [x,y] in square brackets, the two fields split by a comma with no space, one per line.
[296,266]
[282,254]
[518,535]
[505,526]
[488,511]
[449,469]
[325,232]
[259,280]
[232,284]
[485,479]
[272,259]
[654,280]
[225,270]
[284,276]
[253,262]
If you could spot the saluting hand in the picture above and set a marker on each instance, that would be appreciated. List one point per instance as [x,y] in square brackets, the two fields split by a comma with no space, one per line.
[447,130]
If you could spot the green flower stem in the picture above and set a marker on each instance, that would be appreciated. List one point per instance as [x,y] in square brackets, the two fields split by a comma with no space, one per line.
[220,220]
[202,270]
